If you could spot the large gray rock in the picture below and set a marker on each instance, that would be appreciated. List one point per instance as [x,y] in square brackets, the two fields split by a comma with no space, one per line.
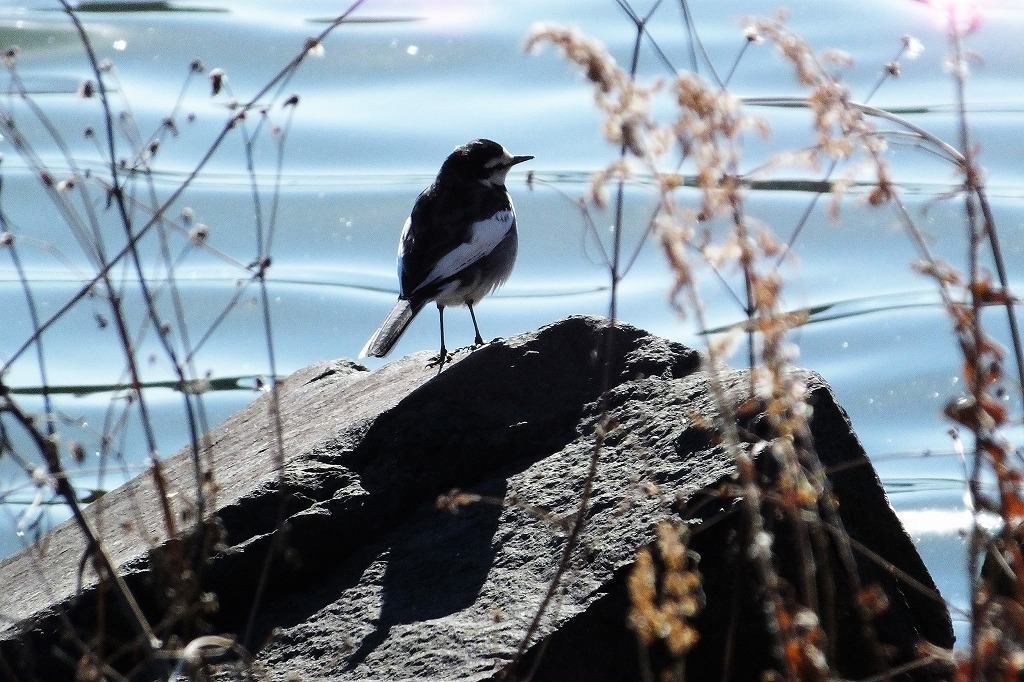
[376,582]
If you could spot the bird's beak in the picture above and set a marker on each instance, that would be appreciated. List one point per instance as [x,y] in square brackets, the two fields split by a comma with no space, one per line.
[518,159]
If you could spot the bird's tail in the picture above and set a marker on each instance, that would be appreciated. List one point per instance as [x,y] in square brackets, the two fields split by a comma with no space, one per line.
[390,330]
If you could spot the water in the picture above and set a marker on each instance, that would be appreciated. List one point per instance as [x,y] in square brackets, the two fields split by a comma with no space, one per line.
[388,99]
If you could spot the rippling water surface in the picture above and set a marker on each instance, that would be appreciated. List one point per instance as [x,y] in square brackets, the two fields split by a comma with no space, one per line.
[393,92]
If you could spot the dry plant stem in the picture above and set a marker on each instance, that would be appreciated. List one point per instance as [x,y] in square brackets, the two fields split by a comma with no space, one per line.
[276,197]
[118,196]
[961,160]
[606,358]
[758,540]
[239,292]
[948,151]
[284,73]
[69,628]
[48,448]
[98,255]
[750,493]
[989,222]
[279,538]
[264,237]
[710,117]
[579,520]
[753,496]
[641,22]
[977,533]
[834,163]
[759,305]
[695,44]
[185,370]
[974,355]
[90,241]
[49,452]
[839,533]
[33,312]
[175,554]
[262,262]
[746,263]
[896,673]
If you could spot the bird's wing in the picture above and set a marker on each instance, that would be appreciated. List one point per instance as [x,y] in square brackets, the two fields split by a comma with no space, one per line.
[483,237]
[443,236]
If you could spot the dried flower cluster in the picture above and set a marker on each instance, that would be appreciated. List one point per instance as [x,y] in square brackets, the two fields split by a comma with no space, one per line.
[842,129]
[707,131]
[665,592]
[625,103]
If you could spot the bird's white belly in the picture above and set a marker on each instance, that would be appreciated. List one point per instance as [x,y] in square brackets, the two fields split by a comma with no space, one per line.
[459,293]
[482,277]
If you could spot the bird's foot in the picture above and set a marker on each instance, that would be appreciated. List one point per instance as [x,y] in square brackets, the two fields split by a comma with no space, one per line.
[440,360]
[478,342]
[469,349]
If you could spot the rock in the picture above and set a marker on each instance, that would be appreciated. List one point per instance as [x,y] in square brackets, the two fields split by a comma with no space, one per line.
[377,582]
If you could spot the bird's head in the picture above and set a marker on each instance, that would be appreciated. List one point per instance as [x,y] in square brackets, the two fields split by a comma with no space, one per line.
[482,160]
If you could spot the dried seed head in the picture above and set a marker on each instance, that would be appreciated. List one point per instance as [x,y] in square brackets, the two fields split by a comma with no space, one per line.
[837,57]
[314,48]
[77,451]
[39,477]
[218,79]
[912,47]
[883,192]
[597,64]
[199,233]
[632,137]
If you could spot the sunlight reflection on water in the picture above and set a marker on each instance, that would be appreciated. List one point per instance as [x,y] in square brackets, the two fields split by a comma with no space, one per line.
[944,521]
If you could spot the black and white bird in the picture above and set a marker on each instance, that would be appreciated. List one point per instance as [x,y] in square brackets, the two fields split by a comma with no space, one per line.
[459,243]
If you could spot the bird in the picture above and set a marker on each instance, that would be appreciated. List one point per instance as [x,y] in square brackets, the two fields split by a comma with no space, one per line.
[458,244]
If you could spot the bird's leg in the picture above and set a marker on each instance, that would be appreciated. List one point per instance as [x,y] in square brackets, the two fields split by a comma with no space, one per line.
[479,340]
[442,356]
